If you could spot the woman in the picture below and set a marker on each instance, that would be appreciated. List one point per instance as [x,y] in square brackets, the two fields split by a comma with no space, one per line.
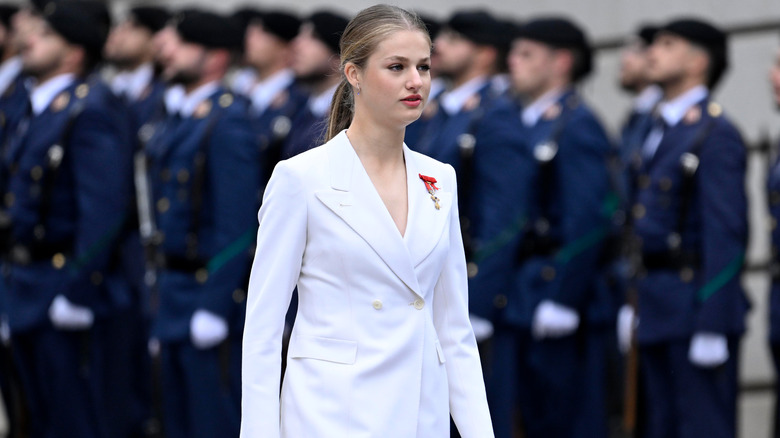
[382,345]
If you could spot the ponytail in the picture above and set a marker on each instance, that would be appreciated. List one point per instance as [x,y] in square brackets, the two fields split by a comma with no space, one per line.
[341,110]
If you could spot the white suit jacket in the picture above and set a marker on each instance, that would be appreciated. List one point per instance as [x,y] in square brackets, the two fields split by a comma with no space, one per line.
[382,345]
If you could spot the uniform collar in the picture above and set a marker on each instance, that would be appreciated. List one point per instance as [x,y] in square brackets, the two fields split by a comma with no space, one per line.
[42,95]
[647,99]
[438,86]
[243,80]
[533,112]
[319,105]
[9,70]
[132,84]
[191,101]
[173,97]
[453,101]
[674,110]
[265,91]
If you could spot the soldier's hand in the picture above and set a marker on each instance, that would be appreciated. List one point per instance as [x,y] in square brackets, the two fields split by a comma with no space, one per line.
[708,350]
[627,322]
[553,320]
[207,329]
[65,315]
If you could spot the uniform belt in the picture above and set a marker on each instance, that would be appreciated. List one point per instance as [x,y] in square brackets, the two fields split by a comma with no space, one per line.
[179,263]
[25,254]
[670,260]
[537,246]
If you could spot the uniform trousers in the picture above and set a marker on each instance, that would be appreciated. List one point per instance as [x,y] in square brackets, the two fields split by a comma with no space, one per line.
[201,389]
[62,373]
[684,400]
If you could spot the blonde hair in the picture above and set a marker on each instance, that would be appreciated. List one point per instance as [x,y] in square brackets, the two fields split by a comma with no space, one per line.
[362,35]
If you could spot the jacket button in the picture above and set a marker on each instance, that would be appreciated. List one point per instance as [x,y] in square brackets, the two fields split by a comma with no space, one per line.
[500,301]
[419,304]
[377,305]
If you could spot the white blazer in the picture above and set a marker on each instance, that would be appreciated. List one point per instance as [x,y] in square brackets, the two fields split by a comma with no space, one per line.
[382,345]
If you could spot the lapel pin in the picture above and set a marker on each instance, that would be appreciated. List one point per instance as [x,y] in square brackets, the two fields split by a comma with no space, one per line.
[60,102]
[430,185]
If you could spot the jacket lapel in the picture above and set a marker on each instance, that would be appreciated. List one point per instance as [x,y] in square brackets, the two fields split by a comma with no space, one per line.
[426,224]
[355,200]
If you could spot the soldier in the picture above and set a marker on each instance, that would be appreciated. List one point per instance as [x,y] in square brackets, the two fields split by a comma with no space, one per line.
[690,221]
[773,188]
[130,50]
[563,311]
[66,179]
[276,97]
[203,169]
[315,62]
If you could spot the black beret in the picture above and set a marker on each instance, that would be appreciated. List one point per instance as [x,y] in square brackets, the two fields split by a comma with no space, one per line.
[706,36]
[328,27]
[477,26]
[243,16]
[209,29]
[39,5]
[647,33]
[563,34]
[432,24]
[698,32]
[282,24]
[83,23]
[150,17]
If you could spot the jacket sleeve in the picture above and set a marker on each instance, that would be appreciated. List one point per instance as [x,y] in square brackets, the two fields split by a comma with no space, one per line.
[281,239]
[468,402]
[721,193]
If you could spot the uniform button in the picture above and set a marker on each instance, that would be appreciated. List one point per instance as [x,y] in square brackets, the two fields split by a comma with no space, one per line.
[183,176]
[239,296]
[686,275]
[644,181]
[36,173]
[500,301]
[472,269]
[638,211]
[201,275]
[419,304]
[377,305]
[58,261]
[163,204]
[548,273]
[665,184]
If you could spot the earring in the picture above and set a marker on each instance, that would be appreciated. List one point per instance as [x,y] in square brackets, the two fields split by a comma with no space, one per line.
[358,88]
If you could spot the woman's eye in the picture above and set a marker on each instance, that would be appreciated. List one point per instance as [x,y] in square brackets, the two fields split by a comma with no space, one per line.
[424,67]
[396,67]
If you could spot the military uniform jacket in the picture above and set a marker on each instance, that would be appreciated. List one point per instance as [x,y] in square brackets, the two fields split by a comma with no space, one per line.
[204,212]
[773,188]
[570,210]
[503,182]
[382,346]
[704,295]
[67,220]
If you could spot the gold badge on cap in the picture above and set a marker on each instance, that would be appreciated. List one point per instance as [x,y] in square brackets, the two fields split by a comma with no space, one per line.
[203,109]
[692,116]
[60,102]
[552,112]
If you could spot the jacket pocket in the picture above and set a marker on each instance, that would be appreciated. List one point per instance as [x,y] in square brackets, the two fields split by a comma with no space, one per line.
[440,352]
[327,349]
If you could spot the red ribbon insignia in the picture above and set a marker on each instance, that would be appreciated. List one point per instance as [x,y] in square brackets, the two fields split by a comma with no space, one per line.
[430,185]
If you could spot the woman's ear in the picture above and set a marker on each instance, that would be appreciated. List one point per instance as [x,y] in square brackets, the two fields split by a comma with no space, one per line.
[352,72]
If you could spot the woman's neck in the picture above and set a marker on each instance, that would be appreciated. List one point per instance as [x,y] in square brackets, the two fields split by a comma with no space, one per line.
[375,145]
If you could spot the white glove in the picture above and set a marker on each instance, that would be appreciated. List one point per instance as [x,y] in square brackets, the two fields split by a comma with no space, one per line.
[65,315]
[207,329]
[708,350]
[154,347]
[627,322]
[483,329]
[552,320]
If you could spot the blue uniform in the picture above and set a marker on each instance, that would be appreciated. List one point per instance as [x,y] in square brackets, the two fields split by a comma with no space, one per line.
[690,216]
[501,193]
[66,182]
[308,131]
[773,188]
[204,170]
